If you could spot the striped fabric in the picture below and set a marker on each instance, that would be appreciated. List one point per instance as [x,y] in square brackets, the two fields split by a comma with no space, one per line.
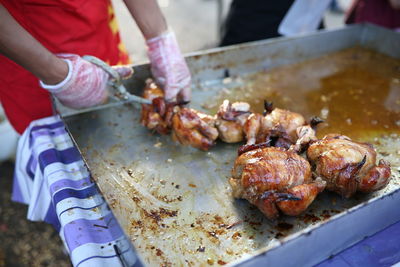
[52,179]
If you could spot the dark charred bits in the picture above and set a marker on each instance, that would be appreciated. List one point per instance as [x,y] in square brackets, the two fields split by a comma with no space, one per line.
[201,249]
[221,262]
[137,224]
[136,199]
[192,225]
[283,226]
[159,252]
[218,218]
[236,235]
[310,218]
[326,214]
[169,213]
[226,73]
[255,223]
[160,214]
[279,235]
[177,186]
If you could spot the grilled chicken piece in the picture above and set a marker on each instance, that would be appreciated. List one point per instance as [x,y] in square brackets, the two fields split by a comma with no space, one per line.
[305,135]
[274,179]
[252,128]
[191,127]
[348,166]
[280,128]
[156,116]
[230,120]
[281,124]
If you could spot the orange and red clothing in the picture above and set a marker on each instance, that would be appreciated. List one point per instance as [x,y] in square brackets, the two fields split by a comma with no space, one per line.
[83,27]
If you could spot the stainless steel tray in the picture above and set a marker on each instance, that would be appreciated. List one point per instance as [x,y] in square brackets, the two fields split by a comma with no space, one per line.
[174,202]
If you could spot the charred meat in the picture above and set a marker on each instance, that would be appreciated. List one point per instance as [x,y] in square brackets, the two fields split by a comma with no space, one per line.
[156,116]
[348,166]
[230,120]
[280,128]
[274,180]
[194,128]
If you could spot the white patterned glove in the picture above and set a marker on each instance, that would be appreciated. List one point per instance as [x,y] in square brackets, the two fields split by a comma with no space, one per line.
[168,67]
[85,84]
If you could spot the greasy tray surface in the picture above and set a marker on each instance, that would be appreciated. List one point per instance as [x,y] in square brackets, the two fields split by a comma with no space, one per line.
[174,202]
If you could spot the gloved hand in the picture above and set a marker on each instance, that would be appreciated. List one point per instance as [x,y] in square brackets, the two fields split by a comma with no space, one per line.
[169,67]
[85,84]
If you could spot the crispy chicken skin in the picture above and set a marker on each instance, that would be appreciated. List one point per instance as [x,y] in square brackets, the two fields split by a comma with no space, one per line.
[274,179]
[191,127]
[283,123]
[348,166]
[280,128]
[156,116]
[230,120]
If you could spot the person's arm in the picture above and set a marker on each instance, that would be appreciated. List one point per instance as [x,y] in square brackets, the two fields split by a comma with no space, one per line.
[167,63]
[148,17]
[19,46]
[74,81]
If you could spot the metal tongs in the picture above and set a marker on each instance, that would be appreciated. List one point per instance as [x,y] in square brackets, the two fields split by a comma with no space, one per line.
[116,82]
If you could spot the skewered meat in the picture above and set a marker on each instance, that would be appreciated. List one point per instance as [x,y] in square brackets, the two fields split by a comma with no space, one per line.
[194,128]
[348,166]
[306,134]
[282,124]
[279,128]
[156,116]
[252,129]
[230,120]
[274,179]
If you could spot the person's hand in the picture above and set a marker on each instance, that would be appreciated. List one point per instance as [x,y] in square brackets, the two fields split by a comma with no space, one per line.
[169,67]
[85,84]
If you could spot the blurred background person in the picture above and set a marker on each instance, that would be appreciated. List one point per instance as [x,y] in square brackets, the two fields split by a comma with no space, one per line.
[251,20]
[385,13]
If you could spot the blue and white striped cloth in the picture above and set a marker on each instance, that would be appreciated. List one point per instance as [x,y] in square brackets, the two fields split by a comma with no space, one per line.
[51,177]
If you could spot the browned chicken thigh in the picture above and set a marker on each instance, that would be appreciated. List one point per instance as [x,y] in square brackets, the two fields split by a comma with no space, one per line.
[348,166]
[230,120]
[274,179]
[194,128]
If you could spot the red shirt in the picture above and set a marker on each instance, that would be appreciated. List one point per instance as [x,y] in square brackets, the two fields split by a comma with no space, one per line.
[83,27]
